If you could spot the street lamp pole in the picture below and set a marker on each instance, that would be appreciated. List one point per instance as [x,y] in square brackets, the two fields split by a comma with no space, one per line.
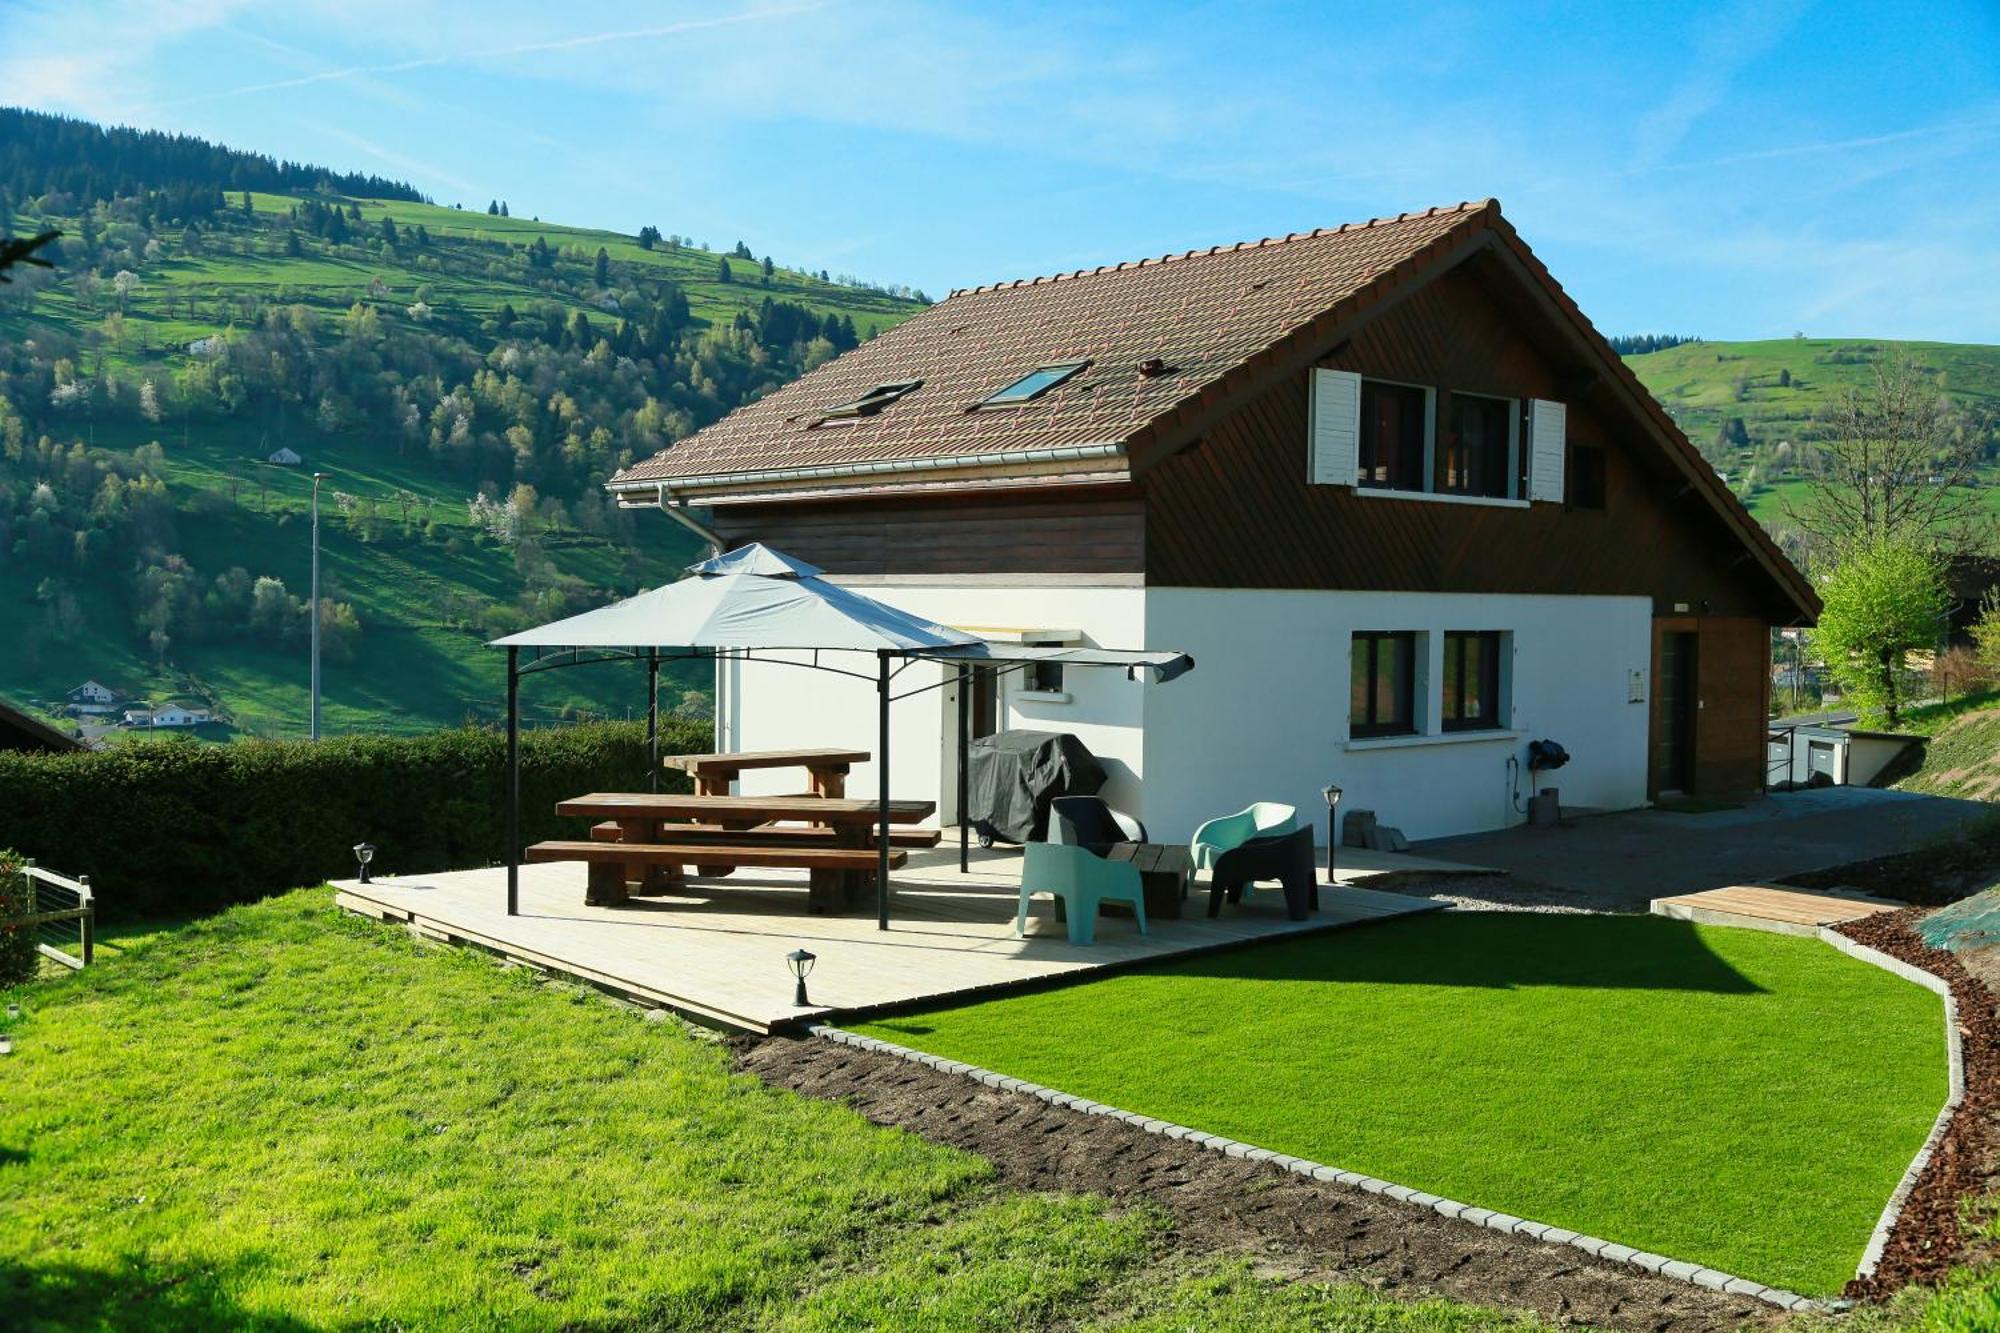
[313,723]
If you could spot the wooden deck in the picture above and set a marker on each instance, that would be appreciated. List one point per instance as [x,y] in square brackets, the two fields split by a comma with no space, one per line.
[1772,907]
[715,950]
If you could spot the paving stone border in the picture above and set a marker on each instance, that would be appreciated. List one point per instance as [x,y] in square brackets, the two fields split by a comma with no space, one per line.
[1596,1247]
[1878,1240]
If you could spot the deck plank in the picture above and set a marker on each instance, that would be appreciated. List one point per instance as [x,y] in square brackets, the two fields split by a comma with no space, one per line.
[714,949]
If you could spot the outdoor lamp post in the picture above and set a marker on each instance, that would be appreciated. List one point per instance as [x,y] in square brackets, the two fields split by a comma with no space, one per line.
[801,963]
[312,721]
[364,852]
[1332,794]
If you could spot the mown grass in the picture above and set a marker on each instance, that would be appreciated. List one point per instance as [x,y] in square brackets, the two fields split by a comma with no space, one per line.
[284,1117]
[1743,1100]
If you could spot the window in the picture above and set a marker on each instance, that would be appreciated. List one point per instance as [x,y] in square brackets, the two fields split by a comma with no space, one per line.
[1382,687]
[1476,456]
[1395,435]
[1586,476]
[1472,680]
[875,399]
[1046,677]
[1033,384]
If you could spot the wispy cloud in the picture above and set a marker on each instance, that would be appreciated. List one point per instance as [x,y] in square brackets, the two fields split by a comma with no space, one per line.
[499,53]
[425,172]
[1724,47]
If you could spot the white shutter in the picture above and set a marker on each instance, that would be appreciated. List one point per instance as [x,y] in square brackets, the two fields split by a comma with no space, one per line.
[1548,449]
[1335,429]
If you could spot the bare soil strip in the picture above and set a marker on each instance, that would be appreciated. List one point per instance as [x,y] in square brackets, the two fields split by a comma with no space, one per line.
[1225,1205]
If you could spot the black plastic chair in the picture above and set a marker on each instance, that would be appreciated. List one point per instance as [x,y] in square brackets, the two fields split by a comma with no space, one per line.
[1285,857]
[1086,821]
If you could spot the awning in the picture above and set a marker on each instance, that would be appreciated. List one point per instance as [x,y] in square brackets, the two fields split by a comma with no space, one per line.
[1142,666]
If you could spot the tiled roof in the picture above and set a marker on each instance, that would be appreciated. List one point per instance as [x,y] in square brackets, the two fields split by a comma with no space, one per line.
[1201,314]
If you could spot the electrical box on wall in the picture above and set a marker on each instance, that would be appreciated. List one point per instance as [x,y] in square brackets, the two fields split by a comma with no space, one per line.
[1635,686]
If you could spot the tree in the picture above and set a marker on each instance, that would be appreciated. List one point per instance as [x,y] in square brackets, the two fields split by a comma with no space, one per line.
[722,273]
[769,267]
[292,247]
[1892,461]
[649,237]
[503,209]
[603,271]
[1881,601]
[493,208]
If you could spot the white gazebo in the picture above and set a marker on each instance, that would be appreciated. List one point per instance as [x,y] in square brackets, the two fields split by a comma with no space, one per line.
[759,603]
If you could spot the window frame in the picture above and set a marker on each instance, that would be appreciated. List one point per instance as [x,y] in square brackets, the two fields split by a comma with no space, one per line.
[1005,396]
[873,401]
[1368,726]
[1429,450]
[1451,686]
[1513,467]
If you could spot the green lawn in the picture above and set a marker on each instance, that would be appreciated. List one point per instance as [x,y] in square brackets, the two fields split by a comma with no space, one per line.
[284,1117]
[1744,1100]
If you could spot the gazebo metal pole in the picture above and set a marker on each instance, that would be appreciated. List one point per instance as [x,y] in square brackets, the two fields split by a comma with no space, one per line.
[513,782]
[882,772]
[652,719]
[964,762]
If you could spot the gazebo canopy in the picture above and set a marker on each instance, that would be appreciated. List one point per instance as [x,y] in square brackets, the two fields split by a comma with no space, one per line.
[751,598]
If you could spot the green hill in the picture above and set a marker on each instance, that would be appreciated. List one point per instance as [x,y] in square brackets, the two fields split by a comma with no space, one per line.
[465,380]
[1751,406]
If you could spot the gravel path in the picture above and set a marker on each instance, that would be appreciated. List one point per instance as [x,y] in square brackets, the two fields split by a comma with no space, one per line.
[1286,1223]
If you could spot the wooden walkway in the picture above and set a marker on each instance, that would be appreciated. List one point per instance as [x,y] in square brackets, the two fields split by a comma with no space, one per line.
[716,951]
[1771,907]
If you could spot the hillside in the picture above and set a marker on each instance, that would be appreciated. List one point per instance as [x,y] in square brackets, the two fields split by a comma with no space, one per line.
[465,380]
[1750,406]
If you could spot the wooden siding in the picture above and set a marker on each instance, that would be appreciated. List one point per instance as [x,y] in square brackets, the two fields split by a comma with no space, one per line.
[1236,510]
[1732,718]
[1100,530]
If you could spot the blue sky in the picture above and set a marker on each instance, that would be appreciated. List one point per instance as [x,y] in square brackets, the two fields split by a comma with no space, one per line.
[1730,169]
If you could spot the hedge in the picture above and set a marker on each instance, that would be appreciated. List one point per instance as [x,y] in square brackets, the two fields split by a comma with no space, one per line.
[178,825]
[19,959]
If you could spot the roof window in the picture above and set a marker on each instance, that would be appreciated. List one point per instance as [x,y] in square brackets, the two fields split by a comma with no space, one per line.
[1033,384]
[875,399]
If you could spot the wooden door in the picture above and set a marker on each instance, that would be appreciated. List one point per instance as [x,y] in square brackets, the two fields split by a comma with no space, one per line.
[1676,703]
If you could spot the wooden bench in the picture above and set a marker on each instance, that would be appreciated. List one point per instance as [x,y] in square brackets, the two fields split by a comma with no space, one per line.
[814,834]
[826,770]
[834,884]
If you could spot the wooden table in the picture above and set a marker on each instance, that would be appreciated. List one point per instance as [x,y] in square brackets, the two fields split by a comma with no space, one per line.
[826,770]
[1164,872]
[649,817]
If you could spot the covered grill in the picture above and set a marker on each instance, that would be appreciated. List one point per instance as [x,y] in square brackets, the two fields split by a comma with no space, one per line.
[1013,775]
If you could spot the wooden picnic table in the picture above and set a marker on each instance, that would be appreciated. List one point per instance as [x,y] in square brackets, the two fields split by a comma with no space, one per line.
[649,819]
[826,770]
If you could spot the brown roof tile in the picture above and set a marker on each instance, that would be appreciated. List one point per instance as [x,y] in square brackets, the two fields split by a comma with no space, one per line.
[1202,313]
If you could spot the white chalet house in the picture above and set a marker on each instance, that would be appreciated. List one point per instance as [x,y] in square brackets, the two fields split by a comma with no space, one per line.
[1406,509]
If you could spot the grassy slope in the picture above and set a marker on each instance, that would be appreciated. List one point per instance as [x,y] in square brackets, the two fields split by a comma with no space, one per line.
[1963,756]
[411,675]
[1699,384]
[286,1117]
[1743,1100]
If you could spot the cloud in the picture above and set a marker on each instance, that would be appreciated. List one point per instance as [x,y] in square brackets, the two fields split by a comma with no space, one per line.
[575,43]
[1723,48]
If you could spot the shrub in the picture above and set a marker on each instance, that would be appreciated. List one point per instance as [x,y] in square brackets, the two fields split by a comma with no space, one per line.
[18,959]
[176,825]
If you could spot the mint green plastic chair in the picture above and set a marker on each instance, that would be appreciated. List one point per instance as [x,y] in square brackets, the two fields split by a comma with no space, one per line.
[1231,831]
[1082,879]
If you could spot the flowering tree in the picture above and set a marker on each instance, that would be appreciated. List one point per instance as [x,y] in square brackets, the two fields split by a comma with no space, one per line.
[1882,601]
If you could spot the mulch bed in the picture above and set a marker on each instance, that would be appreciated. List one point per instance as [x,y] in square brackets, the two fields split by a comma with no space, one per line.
[1928,1239]
[1928,876]
[1285,1223]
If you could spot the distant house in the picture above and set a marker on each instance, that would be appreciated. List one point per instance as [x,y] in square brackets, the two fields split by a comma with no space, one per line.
[94,698]
[181,715]
[137,717]
[285,457]
[19,731]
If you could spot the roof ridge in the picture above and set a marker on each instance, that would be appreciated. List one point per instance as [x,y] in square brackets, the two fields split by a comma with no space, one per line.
[1465,206]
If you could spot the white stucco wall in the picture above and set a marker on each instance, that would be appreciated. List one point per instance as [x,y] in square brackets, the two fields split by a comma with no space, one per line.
[782,707]
[1263,716]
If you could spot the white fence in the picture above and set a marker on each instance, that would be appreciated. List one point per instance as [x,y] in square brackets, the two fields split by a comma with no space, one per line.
[63,914]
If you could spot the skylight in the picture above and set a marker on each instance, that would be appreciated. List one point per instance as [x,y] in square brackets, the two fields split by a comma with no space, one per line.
[1033,384]
[875,399]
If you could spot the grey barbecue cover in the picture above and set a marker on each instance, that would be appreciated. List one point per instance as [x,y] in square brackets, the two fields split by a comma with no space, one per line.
[1013,775]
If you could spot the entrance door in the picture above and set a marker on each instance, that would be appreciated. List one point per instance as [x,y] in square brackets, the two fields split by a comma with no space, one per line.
[984,719]
[1673,736]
